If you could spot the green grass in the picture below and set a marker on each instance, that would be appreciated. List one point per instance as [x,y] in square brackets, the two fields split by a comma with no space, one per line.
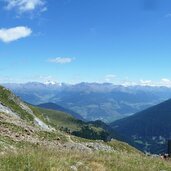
[12,127]
[50,136]
[60,119]
[123,147]
[8,144]
[45,159]
[67,123]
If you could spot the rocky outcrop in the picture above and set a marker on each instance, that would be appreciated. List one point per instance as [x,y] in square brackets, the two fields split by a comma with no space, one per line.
[88,147]
[7,110]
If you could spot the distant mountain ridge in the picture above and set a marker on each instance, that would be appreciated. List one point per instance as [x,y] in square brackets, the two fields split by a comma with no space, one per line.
[54,106]
[93,101]
[150,129]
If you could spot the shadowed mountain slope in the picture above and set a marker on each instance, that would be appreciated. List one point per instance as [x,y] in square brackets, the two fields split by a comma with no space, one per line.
[150,129]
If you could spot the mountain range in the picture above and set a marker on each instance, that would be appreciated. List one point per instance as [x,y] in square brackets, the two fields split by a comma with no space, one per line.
[93,101]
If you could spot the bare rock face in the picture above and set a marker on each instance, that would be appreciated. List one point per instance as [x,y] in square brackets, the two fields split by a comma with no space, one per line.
[7,110]
[41,124]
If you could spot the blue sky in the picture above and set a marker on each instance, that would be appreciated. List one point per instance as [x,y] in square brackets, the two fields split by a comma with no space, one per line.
[118,41]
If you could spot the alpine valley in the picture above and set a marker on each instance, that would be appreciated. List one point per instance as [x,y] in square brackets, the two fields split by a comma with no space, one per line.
[93,101]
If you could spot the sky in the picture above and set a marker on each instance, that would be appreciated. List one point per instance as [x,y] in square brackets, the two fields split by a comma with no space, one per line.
[117,41]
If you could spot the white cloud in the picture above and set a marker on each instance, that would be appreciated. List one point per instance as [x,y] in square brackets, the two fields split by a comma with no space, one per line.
[165,82]
[15,33]
[24,5]
[61,60]
[146,82]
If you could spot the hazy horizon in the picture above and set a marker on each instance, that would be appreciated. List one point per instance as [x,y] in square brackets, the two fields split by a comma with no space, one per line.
[126,84]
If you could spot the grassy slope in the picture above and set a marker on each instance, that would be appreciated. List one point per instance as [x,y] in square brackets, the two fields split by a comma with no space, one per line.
[44,159]
[54,106]
[67,123]
[30,157]
[60,119]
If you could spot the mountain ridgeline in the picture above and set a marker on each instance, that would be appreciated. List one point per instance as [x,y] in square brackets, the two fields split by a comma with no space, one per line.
[54,106]
[93,101]
[150,129]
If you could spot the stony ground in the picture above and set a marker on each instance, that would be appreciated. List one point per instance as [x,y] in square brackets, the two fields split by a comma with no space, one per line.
[20,131]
